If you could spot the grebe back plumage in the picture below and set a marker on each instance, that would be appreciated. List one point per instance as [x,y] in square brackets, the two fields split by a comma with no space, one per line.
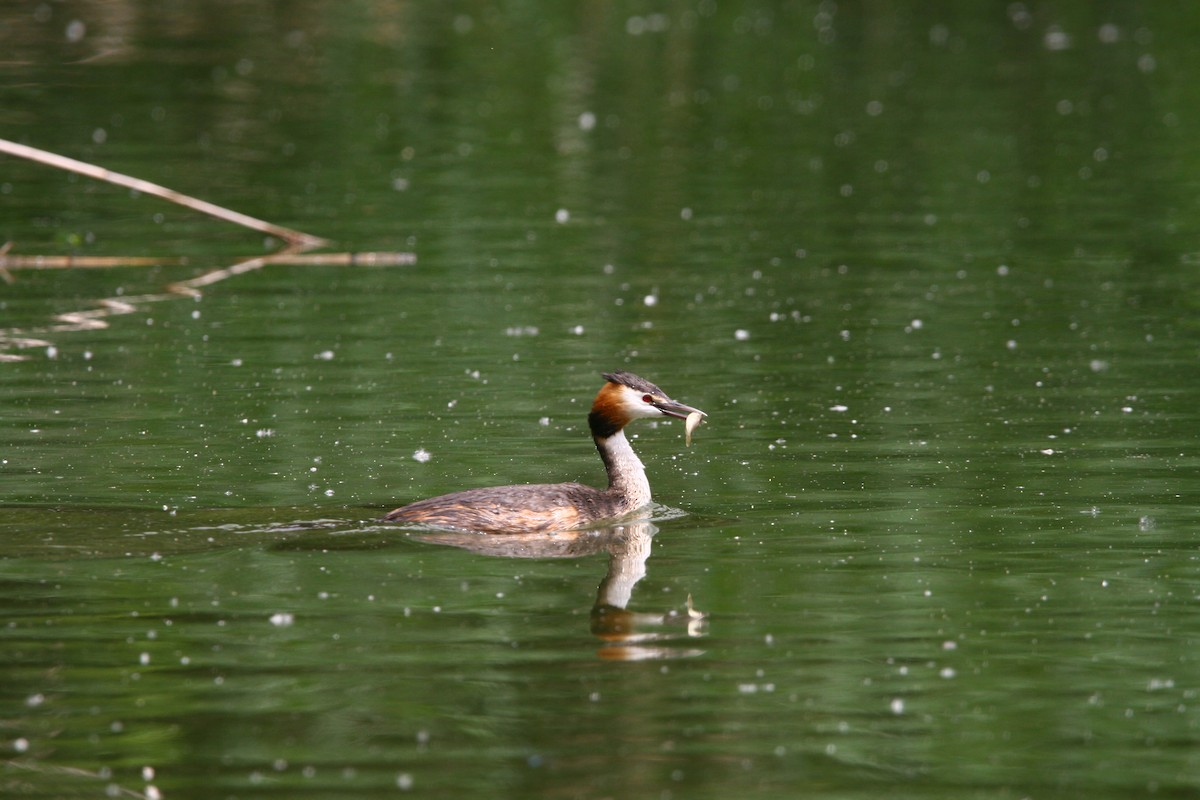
[548,507]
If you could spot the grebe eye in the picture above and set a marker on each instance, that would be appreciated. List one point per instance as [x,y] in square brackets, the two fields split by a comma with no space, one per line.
[647,398]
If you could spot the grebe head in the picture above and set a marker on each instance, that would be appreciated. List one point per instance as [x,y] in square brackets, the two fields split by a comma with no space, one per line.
[626,397]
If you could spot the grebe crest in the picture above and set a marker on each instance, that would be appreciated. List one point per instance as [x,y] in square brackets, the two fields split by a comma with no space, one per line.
[549,507]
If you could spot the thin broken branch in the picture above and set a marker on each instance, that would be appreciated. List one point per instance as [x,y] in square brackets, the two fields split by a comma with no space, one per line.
[298,239]
[384,259]
[296,243]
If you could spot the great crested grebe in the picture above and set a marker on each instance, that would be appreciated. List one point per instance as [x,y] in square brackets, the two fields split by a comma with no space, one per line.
[548,507]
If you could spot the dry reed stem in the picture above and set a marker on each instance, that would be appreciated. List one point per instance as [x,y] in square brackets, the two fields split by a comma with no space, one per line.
[384,259]
[299,239]
[95,318]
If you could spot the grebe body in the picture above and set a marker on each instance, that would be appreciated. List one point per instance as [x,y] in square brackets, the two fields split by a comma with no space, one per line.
[549,507]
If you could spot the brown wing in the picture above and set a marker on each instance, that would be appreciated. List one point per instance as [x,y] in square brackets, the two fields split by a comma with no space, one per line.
[534,508]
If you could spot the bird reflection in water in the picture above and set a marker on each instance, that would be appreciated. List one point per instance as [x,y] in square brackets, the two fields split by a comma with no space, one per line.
[627,635]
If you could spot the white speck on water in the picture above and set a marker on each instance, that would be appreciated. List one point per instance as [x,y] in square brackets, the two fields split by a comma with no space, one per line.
[1145,523]
[35,700]
[949,644]
[839,408]
[543,421]
[329,492]
[147,773]
[1002,270]
[21,745]
[1109,33]
[577,330]
[1011,344]
[144,659]
[651,23]
[421,455]
[897,705]
[265,433]
[282,619]
[404,782]
[587,121]
[324,355]
[1049,451]
[1056,39]
[916,325]
[1126,409]
[741,334]
[650,300]
[152,793]
[947,672]
[1098,365]
[237,362]
[685,214]
[562,216]
[51,352]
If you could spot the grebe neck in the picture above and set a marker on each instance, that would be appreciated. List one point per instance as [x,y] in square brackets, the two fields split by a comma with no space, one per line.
[626,475]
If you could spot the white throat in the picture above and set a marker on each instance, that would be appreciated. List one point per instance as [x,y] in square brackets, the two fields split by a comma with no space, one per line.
[626,475]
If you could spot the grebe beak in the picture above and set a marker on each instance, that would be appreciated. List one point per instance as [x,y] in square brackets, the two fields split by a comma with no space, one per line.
[673,409]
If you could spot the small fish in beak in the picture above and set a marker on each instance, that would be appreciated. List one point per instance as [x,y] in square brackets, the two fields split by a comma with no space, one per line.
[693,419]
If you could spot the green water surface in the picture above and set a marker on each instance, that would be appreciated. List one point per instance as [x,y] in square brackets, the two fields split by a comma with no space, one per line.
[931,270]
